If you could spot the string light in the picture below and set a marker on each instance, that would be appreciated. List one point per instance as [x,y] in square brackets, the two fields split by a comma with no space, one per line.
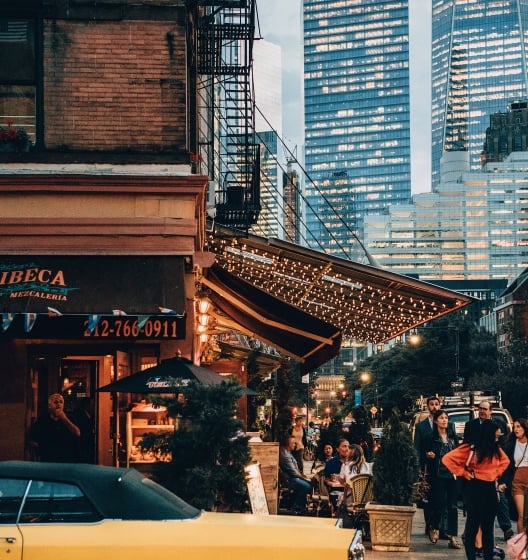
[363,303]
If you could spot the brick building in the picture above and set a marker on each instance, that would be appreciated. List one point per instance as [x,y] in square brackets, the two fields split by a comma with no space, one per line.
[99,211]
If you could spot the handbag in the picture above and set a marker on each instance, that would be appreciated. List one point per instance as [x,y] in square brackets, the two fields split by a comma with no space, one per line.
[517,545]
[421,491]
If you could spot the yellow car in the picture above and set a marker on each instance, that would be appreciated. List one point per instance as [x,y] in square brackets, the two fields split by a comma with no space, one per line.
[52,511]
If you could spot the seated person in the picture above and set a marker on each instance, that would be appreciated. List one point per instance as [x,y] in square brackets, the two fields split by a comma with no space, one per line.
[328,453]
[333,469]
[295,480]
[355,465]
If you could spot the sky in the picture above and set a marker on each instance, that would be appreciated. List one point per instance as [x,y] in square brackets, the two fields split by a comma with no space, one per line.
[280,22]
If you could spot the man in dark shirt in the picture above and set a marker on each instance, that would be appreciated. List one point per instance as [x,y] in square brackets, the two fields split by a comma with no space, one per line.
[54,436]
[422,432]
[333,468]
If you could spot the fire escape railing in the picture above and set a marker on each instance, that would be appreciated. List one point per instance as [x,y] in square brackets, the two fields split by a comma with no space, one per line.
[226,129]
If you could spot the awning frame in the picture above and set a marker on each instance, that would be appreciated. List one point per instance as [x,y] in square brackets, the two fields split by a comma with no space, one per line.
[366,303]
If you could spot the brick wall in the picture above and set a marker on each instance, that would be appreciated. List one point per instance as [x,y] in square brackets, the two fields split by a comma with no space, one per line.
[115,85]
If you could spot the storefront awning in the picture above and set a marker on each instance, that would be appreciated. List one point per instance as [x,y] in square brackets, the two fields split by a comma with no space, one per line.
[365,303]
[297,334]
[89,294]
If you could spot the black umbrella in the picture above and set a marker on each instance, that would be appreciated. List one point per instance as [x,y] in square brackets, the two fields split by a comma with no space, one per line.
[170,376]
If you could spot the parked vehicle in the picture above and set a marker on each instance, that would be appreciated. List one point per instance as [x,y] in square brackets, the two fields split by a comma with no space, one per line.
[459,415]
[51,511]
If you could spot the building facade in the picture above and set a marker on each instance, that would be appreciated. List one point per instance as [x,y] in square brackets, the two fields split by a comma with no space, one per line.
[357,124]
[102,221]
[473,227]
[478,68]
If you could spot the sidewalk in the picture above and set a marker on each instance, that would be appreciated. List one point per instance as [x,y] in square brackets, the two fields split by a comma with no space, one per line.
[423,549]
[421,546]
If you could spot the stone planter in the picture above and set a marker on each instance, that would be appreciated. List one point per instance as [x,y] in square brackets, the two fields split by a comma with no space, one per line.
[390,527]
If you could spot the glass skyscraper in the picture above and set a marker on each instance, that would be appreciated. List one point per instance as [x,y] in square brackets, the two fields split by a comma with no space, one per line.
[357,125]
[478,68]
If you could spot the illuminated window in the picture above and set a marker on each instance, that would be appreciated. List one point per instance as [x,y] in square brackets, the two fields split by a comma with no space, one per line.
[17,73]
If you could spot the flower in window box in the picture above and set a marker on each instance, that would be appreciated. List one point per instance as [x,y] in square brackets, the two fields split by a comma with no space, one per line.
[13,139]
[196,160]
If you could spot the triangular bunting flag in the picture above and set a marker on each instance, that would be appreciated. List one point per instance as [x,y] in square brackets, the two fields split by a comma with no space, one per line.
[142,319]
[7,319]
[167,311]
[29,321]
[93,321]
[52,312]
[118,312]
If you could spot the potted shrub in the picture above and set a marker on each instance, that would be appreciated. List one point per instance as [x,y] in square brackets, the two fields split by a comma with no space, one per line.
[395,473]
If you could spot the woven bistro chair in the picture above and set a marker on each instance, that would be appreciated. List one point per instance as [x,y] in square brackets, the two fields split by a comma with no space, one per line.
[319,498]
[358,492]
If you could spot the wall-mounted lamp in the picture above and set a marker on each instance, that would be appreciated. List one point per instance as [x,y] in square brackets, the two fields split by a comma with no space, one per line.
[203,306]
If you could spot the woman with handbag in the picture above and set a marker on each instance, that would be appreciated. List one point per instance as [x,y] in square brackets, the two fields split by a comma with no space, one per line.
[443,493]
[481,464]
[516,477]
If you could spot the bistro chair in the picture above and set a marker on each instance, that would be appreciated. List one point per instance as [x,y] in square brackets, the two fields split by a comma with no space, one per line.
[358,492]
[319,498]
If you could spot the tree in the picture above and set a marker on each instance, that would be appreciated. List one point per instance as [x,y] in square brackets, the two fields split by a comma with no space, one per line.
[406,371]
[395,469]
[511,376]
[209,451]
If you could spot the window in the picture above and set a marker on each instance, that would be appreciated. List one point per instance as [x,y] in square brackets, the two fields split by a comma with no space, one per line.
[57,502]
[18,73]
[11,494]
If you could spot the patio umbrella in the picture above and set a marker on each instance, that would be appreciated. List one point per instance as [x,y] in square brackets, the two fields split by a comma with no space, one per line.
[170,376]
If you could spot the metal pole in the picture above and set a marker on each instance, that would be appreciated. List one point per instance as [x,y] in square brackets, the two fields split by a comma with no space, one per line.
[457,353]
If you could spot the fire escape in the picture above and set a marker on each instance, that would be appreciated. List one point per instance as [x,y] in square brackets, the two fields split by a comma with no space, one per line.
[226,115]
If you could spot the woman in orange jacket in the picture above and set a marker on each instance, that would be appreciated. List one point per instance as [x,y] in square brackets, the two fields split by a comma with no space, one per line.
[481,465]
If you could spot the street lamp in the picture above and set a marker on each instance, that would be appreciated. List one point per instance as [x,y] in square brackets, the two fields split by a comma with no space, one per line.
[414,339]
[364,378]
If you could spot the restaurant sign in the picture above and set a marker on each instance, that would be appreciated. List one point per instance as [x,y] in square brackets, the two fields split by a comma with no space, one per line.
[94,296]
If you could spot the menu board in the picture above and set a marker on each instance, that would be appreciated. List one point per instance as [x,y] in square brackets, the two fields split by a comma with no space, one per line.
[257,496]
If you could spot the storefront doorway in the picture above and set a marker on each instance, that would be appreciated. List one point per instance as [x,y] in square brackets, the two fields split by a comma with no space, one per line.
[76,374]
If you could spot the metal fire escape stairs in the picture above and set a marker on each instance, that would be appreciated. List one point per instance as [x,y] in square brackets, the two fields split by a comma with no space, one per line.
[226,114]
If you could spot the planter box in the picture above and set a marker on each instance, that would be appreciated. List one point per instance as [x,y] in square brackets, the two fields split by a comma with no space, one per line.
[390,527]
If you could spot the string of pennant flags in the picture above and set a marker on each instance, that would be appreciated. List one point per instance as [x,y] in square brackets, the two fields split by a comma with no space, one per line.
[93,319]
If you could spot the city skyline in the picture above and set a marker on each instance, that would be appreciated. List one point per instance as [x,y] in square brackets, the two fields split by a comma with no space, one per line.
[281,23]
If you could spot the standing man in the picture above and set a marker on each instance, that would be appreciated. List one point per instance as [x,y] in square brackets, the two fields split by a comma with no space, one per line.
[297,482]
[54,436]
[471,434]
[423,431]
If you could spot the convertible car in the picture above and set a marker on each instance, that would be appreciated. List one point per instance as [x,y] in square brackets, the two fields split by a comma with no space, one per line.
[51,511]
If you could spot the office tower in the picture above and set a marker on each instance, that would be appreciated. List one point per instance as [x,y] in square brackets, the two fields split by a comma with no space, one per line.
[472,227]
[357,126]
[478,68]
[267,69]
